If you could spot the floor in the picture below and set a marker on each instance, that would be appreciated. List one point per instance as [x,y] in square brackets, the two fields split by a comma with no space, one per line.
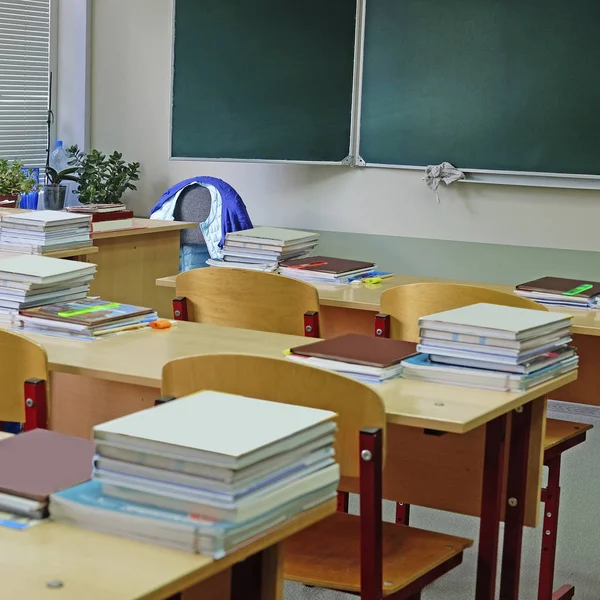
[578,556]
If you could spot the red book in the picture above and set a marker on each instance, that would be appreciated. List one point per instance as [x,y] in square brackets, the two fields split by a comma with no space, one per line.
[112,216]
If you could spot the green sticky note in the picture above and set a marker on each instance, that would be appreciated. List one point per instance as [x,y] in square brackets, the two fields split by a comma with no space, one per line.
[584,287]
[89,309]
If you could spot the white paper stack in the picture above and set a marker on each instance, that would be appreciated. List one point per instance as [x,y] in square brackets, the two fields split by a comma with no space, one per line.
[493,347]
[205,473]
[263,248]
[27,281]
[44,231]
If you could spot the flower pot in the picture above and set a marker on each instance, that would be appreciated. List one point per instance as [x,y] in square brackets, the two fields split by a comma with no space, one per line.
[54,196]
[9,201]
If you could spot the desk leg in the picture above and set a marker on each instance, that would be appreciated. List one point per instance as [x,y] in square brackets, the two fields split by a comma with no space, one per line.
[259,577]
[516,487]
[491,508]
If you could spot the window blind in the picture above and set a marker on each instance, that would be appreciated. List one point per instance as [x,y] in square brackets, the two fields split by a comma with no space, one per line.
[24,79]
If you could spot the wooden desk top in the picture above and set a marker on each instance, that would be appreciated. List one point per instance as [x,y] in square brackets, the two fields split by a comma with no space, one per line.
[145,227]
[585,321]
[72,253]
[138,357]
[95,566]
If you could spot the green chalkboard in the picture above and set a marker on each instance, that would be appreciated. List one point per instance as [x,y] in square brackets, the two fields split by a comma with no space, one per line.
[483,84]
[263,79]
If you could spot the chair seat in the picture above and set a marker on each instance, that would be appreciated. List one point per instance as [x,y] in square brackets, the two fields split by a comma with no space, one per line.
[564,433]
[328,554]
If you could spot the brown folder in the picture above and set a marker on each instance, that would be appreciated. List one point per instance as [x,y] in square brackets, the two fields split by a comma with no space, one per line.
[326,264]
[359,349]
[38,463]
[561,285]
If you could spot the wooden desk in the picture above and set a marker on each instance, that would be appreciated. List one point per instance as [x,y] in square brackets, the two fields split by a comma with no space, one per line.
[72,253]
[130,260]
[346,308]
[95,566]
[92,382]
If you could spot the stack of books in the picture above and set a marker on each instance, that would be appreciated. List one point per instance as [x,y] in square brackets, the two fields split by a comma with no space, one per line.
[327,269]
[263,248]
[492,347]
[33,466]
[44,231]
[362,357]
[206,473]
[558,291]
[105,217]
[27,281]
[88,319]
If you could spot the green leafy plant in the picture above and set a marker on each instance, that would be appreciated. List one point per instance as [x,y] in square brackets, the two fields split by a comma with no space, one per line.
[14,178]
[103,179]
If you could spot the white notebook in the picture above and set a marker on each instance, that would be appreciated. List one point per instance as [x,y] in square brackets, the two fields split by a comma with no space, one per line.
[492,320]
[49,218]
[42,269]
[218,429]
[274,235]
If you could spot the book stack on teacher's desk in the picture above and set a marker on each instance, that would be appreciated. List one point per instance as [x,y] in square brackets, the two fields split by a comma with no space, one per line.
[493,347]
[206,473]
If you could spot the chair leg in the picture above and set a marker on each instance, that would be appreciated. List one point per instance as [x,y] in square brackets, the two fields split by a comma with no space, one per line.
[551,499]
[180,309]
[371,527]
[311,324]
[491,504]
[402,513]
[382,325]
[36,405]
[343,499]
[566,592]
[516,487]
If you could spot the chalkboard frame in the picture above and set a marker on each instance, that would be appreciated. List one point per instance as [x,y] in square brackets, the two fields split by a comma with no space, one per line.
[485,176]
[348,161]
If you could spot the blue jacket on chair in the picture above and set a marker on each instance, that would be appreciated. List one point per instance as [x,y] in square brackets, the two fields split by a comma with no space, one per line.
[228,211]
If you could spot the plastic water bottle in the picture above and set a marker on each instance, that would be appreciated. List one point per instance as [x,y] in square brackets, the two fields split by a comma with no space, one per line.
[59,159]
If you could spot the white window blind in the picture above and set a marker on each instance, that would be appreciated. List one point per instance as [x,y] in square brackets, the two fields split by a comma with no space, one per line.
[24,79]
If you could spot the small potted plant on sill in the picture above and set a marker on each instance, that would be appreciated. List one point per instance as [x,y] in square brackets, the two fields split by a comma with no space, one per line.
[14,181]
[54,192]
[103,179]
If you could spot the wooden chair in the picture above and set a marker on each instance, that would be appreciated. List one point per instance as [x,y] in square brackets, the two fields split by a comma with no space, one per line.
[401,308]
[248,300]
[24,381]
[362,554]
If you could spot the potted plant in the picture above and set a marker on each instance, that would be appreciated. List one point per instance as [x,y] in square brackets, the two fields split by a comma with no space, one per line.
[103,179]
[54,192]
[14,181]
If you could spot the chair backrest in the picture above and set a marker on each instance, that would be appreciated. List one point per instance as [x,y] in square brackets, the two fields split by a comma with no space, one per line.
[247,299]
[193,205]
[20,360]
[407,303]
[280,380]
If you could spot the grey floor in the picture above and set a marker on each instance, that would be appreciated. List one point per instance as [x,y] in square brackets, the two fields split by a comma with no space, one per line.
[578,556]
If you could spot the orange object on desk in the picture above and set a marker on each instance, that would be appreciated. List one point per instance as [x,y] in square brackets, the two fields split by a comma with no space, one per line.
[160,324]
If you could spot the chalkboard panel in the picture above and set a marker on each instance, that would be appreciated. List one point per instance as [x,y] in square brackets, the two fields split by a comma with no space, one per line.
[263,79]
[483,84]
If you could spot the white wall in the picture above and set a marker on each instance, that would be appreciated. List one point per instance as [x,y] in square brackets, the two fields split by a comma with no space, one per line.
[131,54]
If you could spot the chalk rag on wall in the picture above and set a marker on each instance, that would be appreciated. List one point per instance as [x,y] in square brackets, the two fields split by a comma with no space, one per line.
[435,174]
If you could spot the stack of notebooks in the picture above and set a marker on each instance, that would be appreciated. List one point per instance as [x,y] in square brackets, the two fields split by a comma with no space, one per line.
[263,248]
[33,466]
[362,357]
[106,217]
[27,281]
[492,347]
[44,231]
[206,473]
[87,319]
[327,269]
[558,291]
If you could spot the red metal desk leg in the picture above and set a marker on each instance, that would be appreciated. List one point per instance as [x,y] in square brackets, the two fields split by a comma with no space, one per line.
[491,504]
[516,487]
